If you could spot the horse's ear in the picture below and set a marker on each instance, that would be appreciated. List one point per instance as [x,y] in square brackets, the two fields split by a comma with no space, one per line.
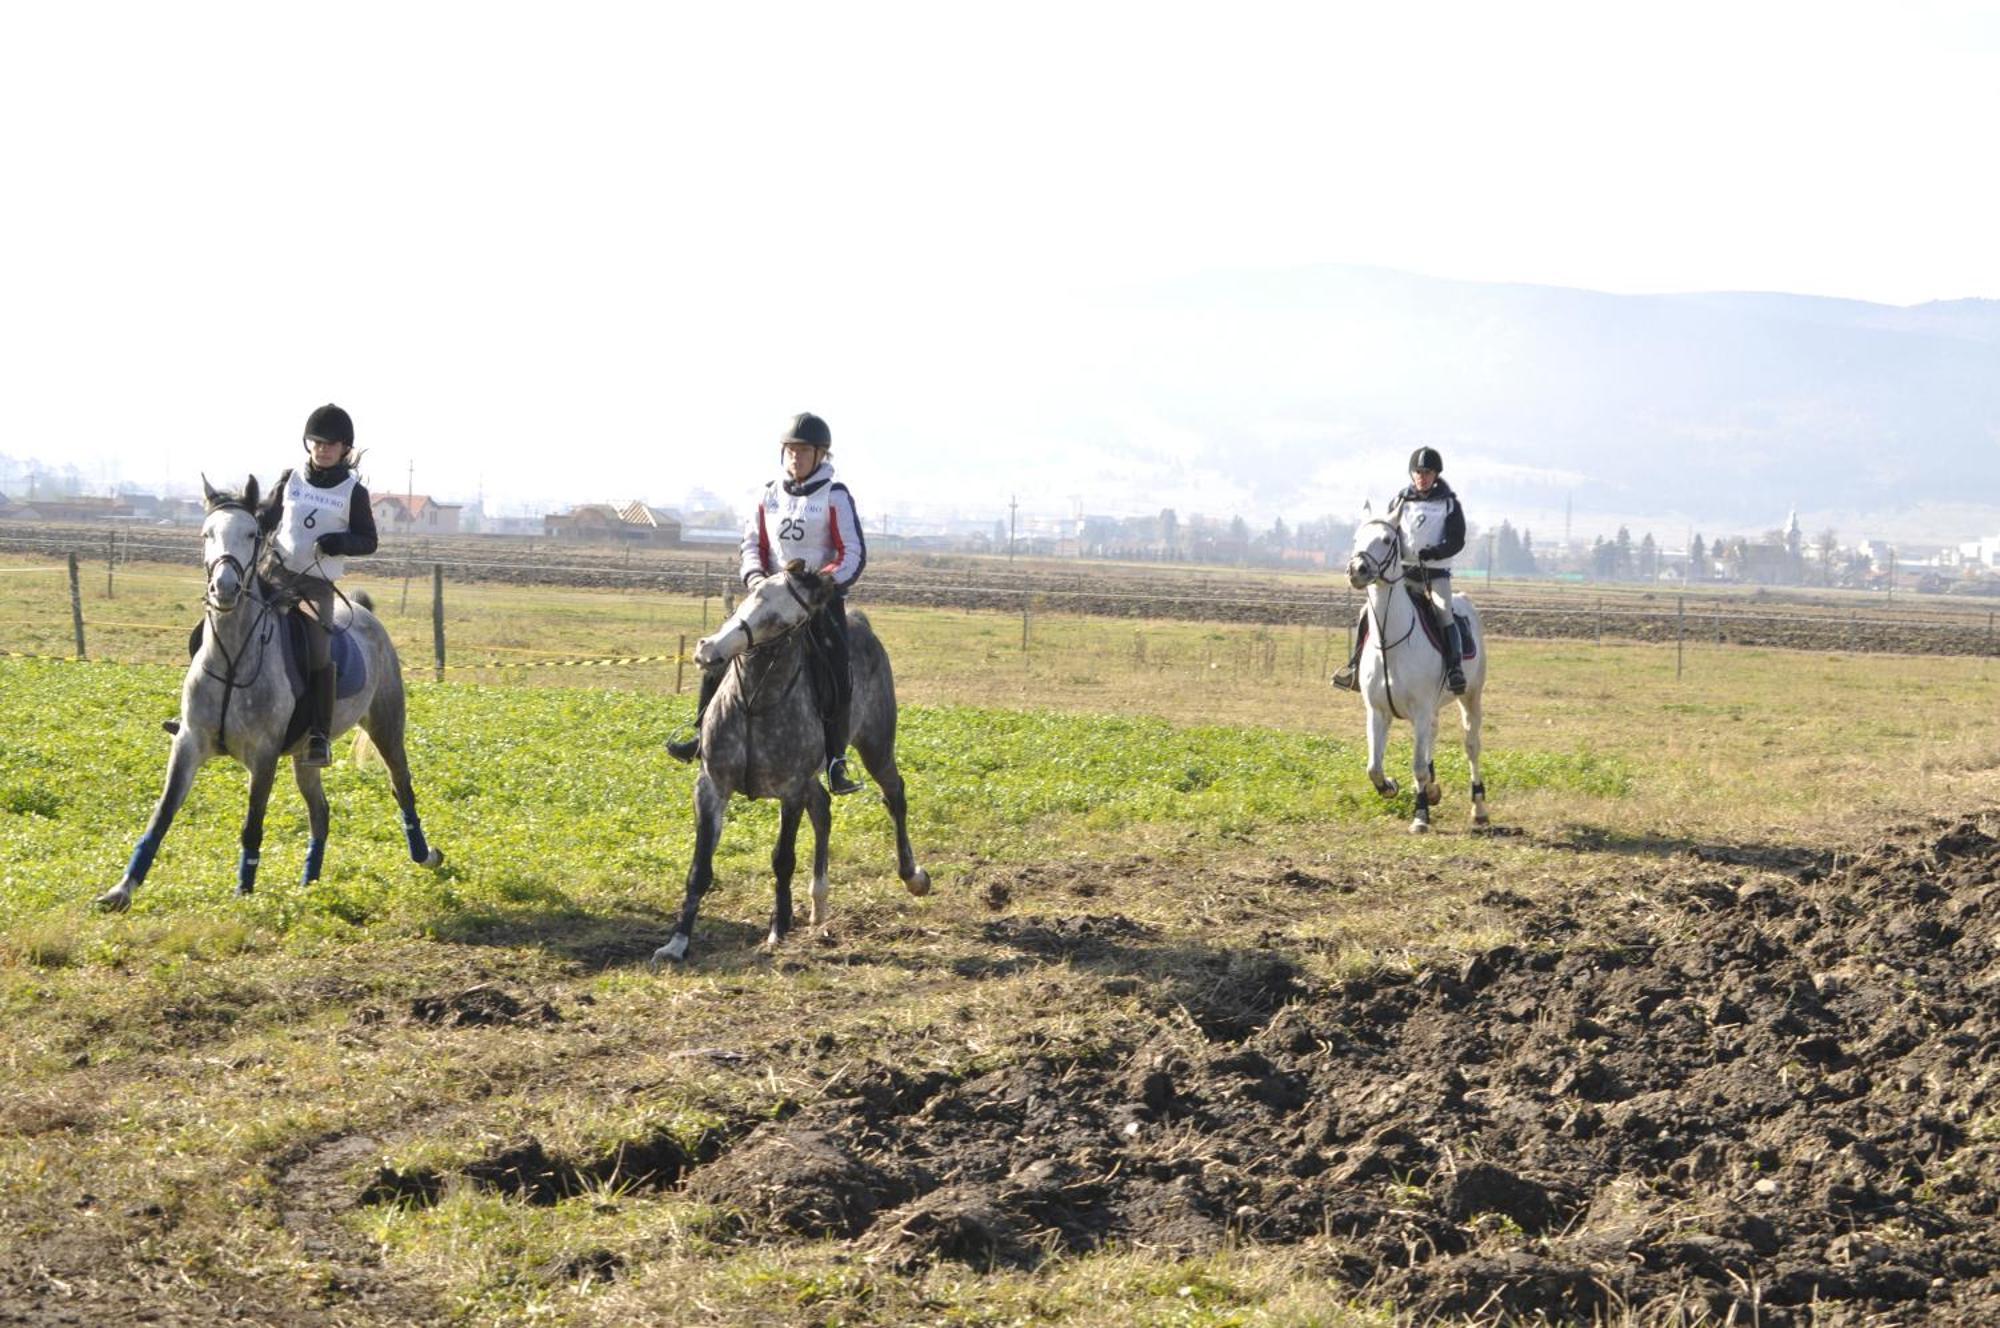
[208,492]
[795,566]
[250,492]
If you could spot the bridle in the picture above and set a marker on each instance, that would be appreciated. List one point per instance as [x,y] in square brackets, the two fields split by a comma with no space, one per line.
[1393,559]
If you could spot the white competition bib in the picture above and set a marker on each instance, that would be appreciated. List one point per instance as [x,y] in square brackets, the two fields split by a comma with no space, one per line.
[310,513]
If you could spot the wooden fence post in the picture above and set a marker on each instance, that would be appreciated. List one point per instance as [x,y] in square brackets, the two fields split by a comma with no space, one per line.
[680,661]
[110,560]
[1680,633]
[76,605]
[437,617]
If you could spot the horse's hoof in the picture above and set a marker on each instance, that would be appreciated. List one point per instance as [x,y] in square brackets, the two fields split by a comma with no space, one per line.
[918,883]
[436,858]
[1388,788]
[1479,816]
[1420,827]
[1434,794]
[245,890]
[673,952]
[114,901]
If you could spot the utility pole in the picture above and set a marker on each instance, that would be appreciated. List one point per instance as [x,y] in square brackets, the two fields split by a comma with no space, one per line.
[1013,506]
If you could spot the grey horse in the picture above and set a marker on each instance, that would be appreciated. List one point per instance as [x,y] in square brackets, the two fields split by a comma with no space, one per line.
[762,737]
[238,701]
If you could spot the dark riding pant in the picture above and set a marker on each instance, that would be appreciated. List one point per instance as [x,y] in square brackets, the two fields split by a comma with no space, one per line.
[829,628]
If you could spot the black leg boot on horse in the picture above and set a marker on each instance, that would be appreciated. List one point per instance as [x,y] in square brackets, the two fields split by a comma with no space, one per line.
[687,749]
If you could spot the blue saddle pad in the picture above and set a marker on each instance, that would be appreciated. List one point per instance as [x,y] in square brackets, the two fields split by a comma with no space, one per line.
[349,664]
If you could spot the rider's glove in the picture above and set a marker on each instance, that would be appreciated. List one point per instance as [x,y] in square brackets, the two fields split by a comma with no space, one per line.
[326,542]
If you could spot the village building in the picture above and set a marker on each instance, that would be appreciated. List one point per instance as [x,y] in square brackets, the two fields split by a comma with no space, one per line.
[415,514]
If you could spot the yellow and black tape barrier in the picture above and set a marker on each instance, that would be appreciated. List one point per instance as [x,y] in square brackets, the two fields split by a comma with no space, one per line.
[608,661]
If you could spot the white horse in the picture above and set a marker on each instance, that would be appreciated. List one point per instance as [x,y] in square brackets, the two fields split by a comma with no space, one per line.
[1402,672]
[239,696]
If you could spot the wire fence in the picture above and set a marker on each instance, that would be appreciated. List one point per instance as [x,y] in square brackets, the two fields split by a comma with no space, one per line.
[560,610]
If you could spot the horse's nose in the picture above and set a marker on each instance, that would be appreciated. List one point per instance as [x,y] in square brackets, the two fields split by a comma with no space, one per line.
[705,652]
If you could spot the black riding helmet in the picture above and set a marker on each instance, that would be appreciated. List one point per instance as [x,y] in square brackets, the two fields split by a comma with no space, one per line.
[329,424]
[1426,458]
[809,429]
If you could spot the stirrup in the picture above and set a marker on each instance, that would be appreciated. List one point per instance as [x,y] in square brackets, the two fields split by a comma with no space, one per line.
[838,781]
[1347,678]
[684,749]
[319,751]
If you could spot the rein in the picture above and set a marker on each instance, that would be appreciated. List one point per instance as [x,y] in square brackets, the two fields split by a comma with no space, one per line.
[257,638]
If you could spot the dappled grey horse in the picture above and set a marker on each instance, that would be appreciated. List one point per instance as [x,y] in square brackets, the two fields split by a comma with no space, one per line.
[239,697]
[1403,675]
[763,737]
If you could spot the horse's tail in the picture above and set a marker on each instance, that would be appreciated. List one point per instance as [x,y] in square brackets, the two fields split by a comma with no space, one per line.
[364,599]
[365,752]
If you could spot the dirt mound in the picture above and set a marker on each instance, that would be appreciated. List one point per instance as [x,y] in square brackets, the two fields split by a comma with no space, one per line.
[1732,1089]
[526,1170]
[479,1007]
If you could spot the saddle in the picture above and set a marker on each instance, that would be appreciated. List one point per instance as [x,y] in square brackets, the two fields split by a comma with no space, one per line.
[350,666]
[1468,647]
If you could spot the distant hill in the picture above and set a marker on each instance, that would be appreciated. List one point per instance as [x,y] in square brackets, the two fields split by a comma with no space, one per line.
[1721,410]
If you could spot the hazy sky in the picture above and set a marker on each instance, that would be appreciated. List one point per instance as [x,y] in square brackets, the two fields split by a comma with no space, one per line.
[590,251]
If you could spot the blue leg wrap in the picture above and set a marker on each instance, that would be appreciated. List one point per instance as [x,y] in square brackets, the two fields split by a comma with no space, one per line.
[246,873]
[142,859]
[315,855]
[420,848]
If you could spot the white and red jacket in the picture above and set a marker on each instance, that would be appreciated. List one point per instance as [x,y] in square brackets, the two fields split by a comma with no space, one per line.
[812,520]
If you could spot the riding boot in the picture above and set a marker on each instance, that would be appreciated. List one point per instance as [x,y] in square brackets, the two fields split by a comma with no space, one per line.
[319,724]
[1454,673]
[838,781]
[686,749]
[1348,676]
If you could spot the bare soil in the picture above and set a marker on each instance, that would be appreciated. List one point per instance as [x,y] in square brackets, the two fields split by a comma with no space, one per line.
[1754,1083]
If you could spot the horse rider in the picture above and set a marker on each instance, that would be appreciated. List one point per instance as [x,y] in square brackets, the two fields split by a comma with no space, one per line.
[322,516]
[1433,526]
[808,515]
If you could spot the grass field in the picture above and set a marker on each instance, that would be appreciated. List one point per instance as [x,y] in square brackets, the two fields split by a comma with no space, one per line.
[198,1095]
